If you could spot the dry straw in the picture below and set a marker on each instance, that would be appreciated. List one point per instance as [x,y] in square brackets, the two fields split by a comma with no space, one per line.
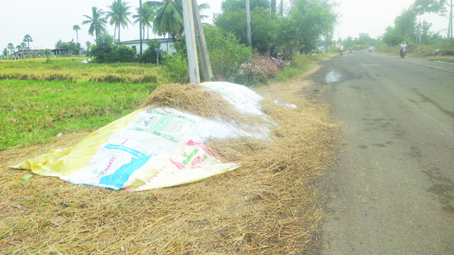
[200,101]
[264,207]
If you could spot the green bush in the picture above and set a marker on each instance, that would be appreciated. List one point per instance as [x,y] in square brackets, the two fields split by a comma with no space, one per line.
[177,68]
[105,51]
[226,53]
[382,47]
[124,54]
[150,55]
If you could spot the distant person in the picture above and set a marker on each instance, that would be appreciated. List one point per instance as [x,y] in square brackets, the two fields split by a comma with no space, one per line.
[403,47]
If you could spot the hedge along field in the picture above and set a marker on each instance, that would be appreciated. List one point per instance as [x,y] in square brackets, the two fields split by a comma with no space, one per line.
[33,111]
[71,69]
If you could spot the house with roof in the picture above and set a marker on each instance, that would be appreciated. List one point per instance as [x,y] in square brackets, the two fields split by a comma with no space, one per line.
[38,53]
[166,44]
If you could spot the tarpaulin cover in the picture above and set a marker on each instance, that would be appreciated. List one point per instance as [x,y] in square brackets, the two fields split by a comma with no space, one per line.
[151,148]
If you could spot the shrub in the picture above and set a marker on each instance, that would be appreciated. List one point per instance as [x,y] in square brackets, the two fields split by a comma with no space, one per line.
[226,53]
[124,54]
[150,55]
[382,47]
[106,52]
[177,68]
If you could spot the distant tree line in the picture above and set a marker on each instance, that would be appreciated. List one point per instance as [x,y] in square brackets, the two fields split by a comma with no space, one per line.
[409,28]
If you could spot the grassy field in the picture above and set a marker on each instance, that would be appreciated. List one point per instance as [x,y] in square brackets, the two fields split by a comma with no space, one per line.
[40,100]
[71,69]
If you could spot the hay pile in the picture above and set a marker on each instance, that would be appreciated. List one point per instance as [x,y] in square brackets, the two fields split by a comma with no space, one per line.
[200,101]
[263,207]
[193,99]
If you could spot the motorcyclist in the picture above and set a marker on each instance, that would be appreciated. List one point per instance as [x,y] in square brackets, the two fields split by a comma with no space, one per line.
[403,49]
[341,49]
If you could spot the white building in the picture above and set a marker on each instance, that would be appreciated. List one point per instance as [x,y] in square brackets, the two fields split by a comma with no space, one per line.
[166,44]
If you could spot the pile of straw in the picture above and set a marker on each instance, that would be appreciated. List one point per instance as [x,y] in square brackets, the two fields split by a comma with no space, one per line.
[266,206]
[200,101]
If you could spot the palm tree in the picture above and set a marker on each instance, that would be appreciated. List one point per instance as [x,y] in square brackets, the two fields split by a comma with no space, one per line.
[28,39]
[18,47]
[202,7]
[118,15]
[76,28]
[23,45]
[169,17]
[97,22]
[11,47]
[144,17]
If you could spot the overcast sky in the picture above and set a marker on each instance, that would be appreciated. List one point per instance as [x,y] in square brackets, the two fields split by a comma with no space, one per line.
[48,21]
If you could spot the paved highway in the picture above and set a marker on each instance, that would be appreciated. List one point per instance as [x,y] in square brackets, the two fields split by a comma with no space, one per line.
[392,191]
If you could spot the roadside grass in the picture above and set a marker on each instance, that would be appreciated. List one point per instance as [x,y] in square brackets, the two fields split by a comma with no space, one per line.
[431,52]
[297,67]
[441,58]
[33,111]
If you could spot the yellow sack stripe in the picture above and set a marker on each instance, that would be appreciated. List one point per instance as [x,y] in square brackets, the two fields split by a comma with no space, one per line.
[65,162]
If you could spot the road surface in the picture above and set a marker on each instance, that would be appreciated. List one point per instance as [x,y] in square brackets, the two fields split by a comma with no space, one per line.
[392,191]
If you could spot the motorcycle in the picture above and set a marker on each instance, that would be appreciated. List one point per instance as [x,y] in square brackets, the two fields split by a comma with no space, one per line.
[341,52]
[402,53]
[350,51]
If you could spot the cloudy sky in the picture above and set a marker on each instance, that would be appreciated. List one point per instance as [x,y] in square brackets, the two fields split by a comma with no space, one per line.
[48,21]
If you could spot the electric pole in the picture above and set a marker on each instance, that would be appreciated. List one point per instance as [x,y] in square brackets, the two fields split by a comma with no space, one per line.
[194,75]
[140,28]
[281,9]
[201,43]
[248,18]
[273,6]
[450,23]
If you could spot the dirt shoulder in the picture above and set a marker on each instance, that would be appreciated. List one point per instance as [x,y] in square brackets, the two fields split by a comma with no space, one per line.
[265,206]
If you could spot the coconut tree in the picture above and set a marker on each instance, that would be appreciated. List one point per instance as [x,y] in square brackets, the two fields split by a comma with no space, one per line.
[11,47]
[23,45]
[97,22]
[118,14]
[76,28]
[18,47]
[28,39]
[144,16]
[169,16]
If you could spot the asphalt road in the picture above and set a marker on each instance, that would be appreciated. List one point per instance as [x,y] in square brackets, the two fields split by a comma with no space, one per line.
[392,191]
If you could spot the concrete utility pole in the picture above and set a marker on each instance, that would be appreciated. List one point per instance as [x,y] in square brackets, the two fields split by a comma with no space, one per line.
[201,43]
[273,6]
[450,22]
[194,75]
[281,11]
[140,28]
[248,18]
